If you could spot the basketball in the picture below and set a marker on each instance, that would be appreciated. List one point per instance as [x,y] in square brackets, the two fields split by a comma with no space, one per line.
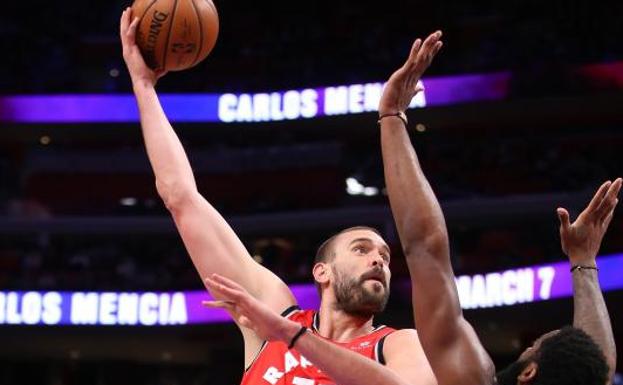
[174,35]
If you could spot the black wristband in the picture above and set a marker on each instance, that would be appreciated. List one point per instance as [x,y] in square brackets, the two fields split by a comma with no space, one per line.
[298,335]
[581,267]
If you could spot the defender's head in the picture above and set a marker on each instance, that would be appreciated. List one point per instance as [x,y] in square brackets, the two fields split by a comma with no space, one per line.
[567,356]
[352,270]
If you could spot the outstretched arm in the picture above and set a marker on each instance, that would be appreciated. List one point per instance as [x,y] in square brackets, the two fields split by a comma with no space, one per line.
[451,345]
[211,243]
[344,366]
[581,241]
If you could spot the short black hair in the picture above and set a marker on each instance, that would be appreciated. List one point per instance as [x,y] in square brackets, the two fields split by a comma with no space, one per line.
[570,357]
[325,251]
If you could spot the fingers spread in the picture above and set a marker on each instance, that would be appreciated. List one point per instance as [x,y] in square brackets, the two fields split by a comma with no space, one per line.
[598,198]
[609,201]
[616,186]
[414,50]
[227,282]
[429,49]
[222,290]
[432,39]
[430,43]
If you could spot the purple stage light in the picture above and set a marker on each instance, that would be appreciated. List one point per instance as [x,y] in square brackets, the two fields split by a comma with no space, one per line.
[504,288]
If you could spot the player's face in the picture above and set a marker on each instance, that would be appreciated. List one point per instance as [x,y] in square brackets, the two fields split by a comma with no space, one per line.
[361,272]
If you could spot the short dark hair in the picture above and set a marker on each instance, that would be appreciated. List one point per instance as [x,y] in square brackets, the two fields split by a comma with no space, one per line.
[325,251]
[570,357]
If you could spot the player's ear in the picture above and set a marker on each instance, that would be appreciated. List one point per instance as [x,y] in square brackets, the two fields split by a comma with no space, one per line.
[527,375]
[322,272]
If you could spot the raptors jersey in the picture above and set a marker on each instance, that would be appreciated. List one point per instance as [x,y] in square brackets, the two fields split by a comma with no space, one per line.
[276,365]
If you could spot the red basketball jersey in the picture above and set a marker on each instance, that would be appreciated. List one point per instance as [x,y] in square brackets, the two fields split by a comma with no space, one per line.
[276,365]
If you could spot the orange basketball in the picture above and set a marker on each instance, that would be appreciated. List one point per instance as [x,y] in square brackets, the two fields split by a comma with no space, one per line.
[175,34]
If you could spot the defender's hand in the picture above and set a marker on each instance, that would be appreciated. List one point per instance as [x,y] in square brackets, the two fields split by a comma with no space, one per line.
[581,239]
[139,72]
[248,311]
[402,86]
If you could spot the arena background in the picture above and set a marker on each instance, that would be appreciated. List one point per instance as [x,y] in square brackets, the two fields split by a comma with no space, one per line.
[540,126]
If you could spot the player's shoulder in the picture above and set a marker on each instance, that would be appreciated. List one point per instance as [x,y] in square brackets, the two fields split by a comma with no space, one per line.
[403,351]
[403,340]
[405,333]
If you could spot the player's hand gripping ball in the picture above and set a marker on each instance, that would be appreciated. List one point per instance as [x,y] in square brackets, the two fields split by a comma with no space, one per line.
[174,35]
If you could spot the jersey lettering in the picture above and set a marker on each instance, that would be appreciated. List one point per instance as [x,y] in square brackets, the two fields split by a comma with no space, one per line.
[277,365]
[290,362]
[272,375]
[305,363]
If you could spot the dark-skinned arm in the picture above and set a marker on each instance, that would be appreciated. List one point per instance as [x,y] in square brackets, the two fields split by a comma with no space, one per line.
[450,343]
[581,241]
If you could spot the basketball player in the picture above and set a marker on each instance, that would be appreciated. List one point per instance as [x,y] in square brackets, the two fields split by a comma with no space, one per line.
[580,355]
[338,343]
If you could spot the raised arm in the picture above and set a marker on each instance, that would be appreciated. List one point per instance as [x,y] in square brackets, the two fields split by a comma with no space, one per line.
[581,241]
[451,346]
[211,243]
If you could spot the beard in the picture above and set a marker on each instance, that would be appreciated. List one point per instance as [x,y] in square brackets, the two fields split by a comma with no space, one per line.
[508,375]
[352,297]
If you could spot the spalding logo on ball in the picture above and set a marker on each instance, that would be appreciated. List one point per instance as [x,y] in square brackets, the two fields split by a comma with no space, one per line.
[174,35]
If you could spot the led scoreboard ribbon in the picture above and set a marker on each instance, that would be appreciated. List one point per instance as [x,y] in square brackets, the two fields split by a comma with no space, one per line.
[504,288]
[245,107]
[305,103]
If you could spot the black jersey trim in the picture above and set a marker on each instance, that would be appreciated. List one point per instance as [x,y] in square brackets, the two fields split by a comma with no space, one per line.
[286,314]
[380,357]
[377,328]
[289,311]
[257,355]
[316,322]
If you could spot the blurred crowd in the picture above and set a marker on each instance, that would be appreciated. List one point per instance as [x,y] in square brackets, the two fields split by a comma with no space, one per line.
[283,45]
[241,177]
[245,178]
[159,262]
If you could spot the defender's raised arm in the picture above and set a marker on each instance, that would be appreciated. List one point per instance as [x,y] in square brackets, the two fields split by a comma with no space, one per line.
[451,346]
[581,241]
